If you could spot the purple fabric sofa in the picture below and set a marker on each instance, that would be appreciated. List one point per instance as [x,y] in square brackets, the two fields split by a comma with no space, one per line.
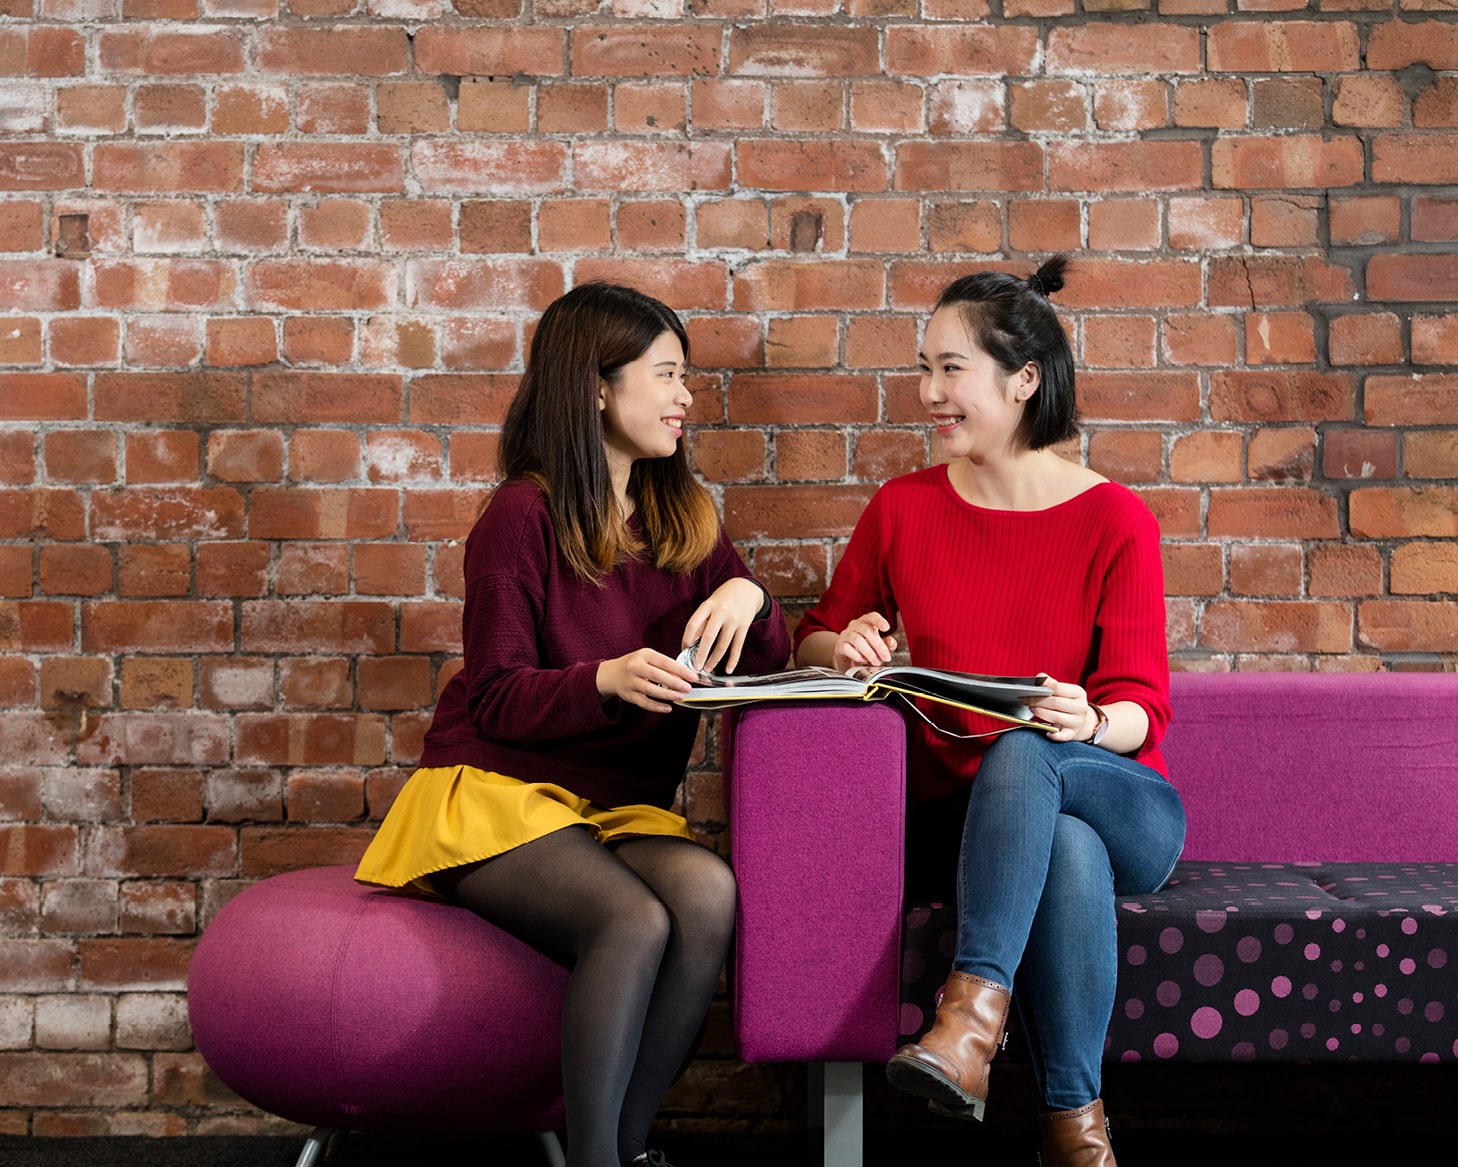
[350,1008]
[1312,917]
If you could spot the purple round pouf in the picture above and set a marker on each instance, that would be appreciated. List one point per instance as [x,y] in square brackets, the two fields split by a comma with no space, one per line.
[338,1005]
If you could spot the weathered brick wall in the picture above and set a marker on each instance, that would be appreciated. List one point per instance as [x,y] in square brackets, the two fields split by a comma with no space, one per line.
[268,272]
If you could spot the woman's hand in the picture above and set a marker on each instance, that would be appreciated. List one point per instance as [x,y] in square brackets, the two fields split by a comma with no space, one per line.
[862,645]
[644,678]
[1067,708]
[721,623]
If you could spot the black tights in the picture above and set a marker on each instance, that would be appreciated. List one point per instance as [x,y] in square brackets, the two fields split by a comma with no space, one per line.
[644,928]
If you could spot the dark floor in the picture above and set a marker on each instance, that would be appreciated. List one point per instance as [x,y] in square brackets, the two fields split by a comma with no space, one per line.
[985,1149]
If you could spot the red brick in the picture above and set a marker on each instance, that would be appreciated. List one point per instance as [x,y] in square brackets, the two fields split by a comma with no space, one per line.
[567,108]
[658,166]
[333,109]
[885,225]
[137,964]
[1124,48]
[181,512]
[1424,569]
[335,225]
[250,109]
[779,285]
[166,795]
[85,340]
[42,396]
[1434,220]
[430,626]
[1407,626]
[1415,158]
[934,50]
[726,342]
[1217,103]
[1287,103]
[43,515]
[441,514]
[158,908]
[326,796]
[232,569]
[472,342]
[892,107]
[460,399]
[498,225]
[168,51]
[389,569]
[1344,570]
[75,571]
[1359,453]
[252,226]
[1124,166]
[652,225]
[318,340]
[81,455]
[1282,396]
[724,104]
[242,340]
[641,51]
[325,167]
[1394,276]
[482,285]
[1395,44]
[51,1079]
[803,224]
[806,106]
[883,454]
[232,682]
[323,514]
[307,568]
[1272,513]
[310,739]
[806,165]
[1127,455]
[1368,99]
[1417,400]
[154,570]
[1366,220]
[327,397]
[810,455]
[877,342]
[412,107]
[1286,453]
[41,166]
[650,108]
[320,285]
[92,109]
[164,738]
[1286,220]
[36,849]
[1118,342]
[494,107]
[1123,225]
[22,225]
[415,224]
[395,682]
[1279,626]
[1193,569]
[1243,163]
[475,456]
[17,452]
[170,109]
[1044,224]
[34,739]
[1366,339]
[322,625]
[40,286]
[47,51]
[793,512]
[172,167]
[686,284]
[16,573]
[1279,338]
[964,166]
[355,50]
[269,851]
[1038,106]
[1435,340]
[1273,46]
[162,456]
[162,626]
[169,226]
[1266,569]
[1268,281]
[152,682]
[771,399]
[315,683]
[727,455]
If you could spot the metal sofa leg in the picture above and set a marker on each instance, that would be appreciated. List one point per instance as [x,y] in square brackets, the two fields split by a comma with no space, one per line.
[314,1149]
[837,1102]
[552,1146]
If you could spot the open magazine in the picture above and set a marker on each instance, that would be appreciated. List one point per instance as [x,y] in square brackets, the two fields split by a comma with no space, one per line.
[1003,698]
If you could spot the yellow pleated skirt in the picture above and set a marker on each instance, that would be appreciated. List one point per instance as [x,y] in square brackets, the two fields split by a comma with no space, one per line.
[446,816]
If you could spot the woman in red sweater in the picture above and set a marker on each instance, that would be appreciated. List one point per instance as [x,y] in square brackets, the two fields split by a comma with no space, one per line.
[541,802]
[1012,560]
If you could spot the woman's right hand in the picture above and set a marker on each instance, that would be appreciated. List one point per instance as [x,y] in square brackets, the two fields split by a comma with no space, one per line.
[644,678]
[862,645]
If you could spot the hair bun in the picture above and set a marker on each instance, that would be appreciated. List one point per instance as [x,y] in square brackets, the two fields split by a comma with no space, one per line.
[1049,278]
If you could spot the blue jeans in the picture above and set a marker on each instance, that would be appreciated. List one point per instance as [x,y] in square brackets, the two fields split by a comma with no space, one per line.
[1053,832]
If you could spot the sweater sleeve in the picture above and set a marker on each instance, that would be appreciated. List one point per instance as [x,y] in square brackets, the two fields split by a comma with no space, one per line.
[1133,655]
[510,696]
[861,582]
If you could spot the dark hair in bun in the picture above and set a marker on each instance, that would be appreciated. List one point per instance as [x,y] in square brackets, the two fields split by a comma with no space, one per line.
[1012,321]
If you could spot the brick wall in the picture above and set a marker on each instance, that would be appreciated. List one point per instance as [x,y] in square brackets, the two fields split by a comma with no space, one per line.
[267,273]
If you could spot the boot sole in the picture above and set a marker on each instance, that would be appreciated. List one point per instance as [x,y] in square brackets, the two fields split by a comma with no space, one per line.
[942,1094]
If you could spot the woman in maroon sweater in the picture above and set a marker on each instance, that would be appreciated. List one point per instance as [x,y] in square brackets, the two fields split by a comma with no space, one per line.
[1012,560]
[597,561]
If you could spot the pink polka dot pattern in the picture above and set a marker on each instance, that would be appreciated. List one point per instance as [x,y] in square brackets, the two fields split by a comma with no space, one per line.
[1245,962]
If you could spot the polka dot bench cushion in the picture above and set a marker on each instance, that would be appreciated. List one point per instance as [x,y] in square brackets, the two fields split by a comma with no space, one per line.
[1262,962]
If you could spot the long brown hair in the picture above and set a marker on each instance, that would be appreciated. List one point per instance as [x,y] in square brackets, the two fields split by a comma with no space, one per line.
[553,435]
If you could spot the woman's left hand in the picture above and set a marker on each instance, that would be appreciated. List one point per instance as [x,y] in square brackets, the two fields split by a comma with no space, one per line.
[721,623]
[1067,708]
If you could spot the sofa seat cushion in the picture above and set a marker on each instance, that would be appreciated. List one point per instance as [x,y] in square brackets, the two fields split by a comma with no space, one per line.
[1262,962]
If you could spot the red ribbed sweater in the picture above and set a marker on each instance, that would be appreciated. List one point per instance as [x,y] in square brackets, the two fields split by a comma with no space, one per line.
[1075,591]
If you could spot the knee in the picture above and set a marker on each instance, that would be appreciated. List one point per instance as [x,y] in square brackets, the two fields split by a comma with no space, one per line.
[1078,864]
[706,900]
[1020,755]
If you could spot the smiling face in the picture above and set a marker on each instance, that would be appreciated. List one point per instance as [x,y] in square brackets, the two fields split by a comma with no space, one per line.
[644,405]
[974,403]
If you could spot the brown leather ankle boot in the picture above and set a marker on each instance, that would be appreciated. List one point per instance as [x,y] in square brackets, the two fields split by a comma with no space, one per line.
[949,1065]
[1076,1138]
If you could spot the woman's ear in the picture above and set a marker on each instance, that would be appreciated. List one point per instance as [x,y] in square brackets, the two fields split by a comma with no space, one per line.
[1026,381]
[602,390]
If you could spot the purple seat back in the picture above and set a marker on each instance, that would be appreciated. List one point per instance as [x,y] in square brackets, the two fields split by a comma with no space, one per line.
[1311,767]
[335,1005]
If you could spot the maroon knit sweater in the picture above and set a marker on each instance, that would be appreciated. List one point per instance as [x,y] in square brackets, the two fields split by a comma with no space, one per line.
[1075,591]
[526,702]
